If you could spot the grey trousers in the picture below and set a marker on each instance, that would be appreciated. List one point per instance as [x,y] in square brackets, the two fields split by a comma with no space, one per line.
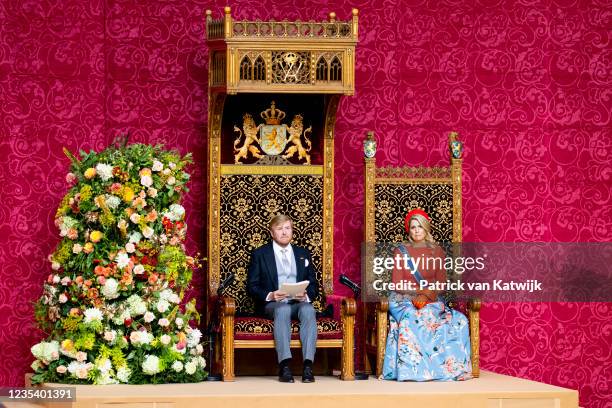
[282,313]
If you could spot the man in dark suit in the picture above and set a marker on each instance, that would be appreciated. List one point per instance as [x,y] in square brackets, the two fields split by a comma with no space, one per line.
[272,265]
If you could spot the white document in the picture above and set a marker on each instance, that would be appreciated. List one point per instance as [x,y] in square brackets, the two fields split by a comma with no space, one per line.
[292,289]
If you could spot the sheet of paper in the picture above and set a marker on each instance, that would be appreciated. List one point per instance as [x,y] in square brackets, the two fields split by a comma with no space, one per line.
[292,289]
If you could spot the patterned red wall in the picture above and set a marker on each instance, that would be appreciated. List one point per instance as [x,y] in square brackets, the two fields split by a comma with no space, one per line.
[526,84]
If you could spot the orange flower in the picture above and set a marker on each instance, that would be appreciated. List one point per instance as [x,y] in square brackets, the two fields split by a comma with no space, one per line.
[92,293]
[90,173]
[153,278]
[152,216]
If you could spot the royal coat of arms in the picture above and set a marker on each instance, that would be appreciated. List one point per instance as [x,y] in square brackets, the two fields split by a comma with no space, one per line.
[272,138]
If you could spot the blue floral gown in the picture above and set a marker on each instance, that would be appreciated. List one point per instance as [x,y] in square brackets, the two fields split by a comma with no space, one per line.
[427,344]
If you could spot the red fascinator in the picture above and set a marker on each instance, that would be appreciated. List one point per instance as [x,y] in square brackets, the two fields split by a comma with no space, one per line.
[409,216]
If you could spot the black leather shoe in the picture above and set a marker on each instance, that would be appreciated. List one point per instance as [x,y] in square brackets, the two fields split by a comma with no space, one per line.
[307,376]
[284,375]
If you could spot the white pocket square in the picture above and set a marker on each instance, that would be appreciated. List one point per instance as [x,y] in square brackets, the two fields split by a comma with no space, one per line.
[306,263]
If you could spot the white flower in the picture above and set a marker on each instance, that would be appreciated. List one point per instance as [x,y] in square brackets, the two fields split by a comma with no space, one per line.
[112,201]
[165,172]
[104,365]
[81,356]
[165,339]
[119,318]
[92,314]
[61,369]
[137,305]
[193,337]
[122,260]
[172,165]
[130,248]
[77,248]
[176,212]
[135,218]
[146,181]
[177,366]
[122,224]
[179,322]
[62,298]
[199,349]
[56,279]
[149,317]
[163,238]
[104,170]
[163,322]
[110,289]
[150,365]
[140,337]
[105,379]
[171,181]
[66,280]
[79,370]
[152,192]
[55,265]
[46,351]
[138,269]
[201,362]
[110,335]
[123,374]
[162,306]
[157,165]
[147,232]
[191,367]
[135,237]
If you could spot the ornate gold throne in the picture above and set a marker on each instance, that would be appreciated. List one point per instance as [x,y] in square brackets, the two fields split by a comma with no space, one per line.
[390,192]
[274,71]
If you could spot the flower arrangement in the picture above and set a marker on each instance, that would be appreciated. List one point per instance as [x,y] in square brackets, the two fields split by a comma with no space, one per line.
[113,307]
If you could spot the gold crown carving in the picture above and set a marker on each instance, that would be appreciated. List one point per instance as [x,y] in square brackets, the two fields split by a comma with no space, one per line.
[273,116]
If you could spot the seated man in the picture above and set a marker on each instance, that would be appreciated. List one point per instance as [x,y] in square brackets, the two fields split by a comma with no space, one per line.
[272,265]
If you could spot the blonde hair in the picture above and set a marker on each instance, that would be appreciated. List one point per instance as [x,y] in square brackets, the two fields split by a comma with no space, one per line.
[279,219]
[423,222]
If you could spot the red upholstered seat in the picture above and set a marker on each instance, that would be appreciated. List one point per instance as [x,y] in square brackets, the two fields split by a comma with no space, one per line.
[260,328]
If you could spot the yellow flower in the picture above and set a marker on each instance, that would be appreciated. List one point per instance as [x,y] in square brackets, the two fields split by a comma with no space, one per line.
[90,173]
[88,248]
[128,194]
[68,345]
[95,236]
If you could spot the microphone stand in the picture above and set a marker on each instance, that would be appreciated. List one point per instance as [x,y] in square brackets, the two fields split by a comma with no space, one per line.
[356,289]
[213,326]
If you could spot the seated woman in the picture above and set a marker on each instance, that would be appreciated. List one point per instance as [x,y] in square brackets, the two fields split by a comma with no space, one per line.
[427,340]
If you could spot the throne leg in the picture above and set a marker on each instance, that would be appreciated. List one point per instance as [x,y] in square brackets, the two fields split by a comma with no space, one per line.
[228,309]
[349,309]
[474,319]
[382,323]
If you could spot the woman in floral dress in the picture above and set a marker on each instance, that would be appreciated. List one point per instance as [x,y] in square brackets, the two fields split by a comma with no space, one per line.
[427,340]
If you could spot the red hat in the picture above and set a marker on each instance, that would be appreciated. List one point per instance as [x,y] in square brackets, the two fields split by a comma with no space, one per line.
[410,214]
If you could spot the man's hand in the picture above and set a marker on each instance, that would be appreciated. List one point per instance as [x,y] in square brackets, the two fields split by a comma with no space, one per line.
[301,297]
[278,296]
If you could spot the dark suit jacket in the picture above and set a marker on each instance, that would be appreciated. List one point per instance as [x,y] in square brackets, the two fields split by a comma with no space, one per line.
[263,276]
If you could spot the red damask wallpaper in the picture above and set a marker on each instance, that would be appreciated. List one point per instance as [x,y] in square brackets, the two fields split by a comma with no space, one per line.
[527,84]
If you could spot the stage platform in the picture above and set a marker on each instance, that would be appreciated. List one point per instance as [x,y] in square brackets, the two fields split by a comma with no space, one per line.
[489,391]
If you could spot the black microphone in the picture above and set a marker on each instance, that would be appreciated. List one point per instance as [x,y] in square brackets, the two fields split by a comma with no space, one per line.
[226,282]
[350,284]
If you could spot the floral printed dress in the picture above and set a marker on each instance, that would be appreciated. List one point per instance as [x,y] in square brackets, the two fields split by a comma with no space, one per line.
[427,344]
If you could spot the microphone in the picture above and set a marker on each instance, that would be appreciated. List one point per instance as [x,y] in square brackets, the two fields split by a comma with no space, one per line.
[226,282]
[350,284]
